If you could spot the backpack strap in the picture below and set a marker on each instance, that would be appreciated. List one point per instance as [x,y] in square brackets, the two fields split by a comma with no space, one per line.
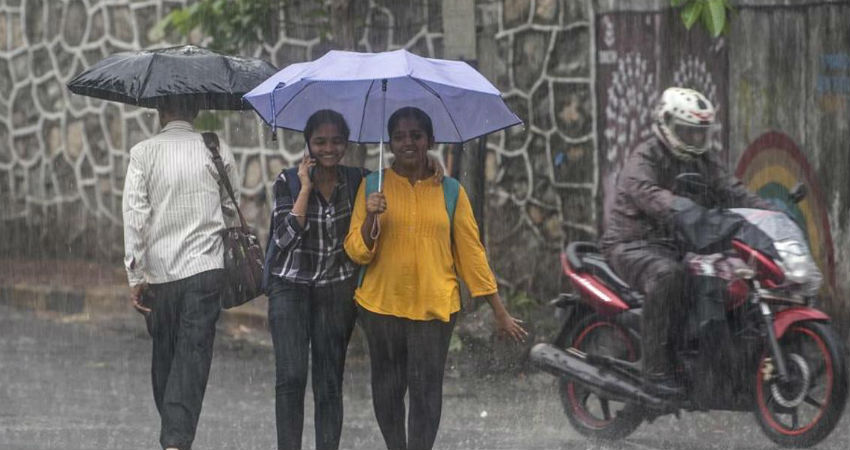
[353,177]
[371,183]
[451,190]
[371,186]
[293,184]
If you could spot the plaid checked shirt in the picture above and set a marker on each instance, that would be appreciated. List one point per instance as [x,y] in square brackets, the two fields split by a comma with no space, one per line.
[313,254]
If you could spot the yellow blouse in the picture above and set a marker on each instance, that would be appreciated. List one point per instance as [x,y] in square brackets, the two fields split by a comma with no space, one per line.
[411,267]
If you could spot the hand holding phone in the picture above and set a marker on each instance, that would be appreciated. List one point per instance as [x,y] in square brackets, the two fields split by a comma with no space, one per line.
[306,169]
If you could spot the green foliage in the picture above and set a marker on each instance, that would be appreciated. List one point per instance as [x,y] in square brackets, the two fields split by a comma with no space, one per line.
[712,14]
[519,303]
[455,344]
[210,120]
[232,24]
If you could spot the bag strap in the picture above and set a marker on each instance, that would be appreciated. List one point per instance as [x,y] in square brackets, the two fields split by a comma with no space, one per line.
[451,190]
[353,177]
[212,143]
[293,183]
[371,186]
[372,183]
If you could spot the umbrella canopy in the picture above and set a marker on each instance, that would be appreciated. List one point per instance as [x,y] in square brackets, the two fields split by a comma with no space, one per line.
[462,104]
[146,78]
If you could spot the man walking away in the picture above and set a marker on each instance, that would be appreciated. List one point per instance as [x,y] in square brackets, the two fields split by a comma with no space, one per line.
[174,211]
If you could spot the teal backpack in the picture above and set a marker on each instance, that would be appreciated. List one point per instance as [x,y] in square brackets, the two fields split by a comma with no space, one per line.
[451,189]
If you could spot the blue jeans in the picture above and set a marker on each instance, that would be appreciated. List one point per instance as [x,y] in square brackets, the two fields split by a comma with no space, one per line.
[310,321]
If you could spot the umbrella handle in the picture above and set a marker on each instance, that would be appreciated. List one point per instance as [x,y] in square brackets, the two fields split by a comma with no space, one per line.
[376,229]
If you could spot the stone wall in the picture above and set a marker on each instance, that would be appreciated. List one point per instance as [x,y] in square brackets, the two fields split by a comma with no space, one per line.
[542,177]
[63,157]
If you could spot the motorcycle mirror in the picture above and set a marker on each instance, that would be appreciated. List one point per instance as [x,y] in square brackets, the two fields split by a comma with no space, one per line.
[798,193]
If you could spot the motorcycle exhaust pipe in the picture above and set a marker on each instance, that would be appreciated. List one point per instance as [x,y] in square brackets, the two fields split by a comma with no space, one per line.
[574,365]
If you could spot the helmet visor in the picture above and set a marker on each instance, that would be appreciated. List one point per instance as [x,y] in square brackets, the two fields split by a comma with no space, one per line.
[692,135]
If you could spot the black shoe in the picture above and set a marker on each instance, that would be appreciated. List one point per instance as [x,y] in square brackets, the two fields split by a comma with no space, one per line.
[664,386]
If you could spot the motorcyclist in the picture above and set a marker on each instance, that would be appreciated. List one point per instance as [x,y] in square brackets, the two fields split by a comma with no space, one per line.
[639,236]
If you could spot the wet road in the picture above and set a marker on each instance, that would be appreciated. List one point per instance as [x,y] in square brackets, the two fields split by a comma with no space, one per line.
[75,383]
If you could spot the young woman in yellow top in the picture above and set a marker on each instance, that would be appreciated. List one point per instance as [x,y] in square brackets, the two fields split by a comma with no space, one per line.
[409,298]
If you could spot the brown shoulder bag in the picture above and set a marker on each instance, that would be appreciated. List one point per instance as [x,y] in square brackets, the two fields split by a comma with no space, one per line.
[243,257]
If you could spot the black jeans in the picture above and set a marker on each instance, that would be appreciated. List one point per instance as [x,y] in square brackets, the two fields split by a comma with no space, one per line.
[407,355]
[182,325]
[310,321]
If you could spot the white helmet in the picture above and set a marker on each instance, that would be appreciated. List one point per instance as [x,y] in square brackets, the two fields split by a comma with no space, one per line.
[683,120]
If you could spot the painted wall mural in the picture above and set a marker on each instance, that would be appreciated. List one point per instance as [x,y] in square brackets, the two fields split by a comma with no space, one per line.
[771,166]
[627,115]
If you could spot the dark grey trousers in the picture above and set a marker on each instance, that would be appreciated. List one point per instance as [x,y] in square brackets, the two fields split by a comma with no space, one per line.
[407,356]
[655,270]
[310,322]
[182,325]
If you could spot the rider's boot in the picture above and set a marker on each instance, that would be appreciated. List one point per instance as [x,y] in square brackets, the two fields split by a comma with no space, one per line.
[658,377]
[663,385]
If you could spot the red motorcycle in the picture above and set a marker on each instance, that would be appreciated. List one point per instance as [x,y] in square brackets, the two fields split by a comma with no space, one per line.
[779,356]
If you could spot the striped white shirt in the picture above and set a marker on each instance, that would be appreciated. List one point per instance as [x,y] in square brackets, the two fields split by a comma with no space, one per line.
[173,207]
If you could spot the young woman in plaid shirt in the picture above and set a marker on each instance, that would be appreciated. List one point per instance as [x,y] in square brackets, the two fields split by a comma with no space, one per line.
[311,287]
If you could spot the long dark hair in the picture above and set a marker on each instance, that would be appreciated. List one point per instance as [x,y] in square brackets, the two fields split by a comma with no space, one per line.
[322,117]
[411,112]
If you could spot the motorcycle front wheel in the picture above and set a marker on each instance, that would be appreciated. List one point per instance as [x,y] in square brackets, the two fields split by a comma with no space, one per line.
[802,410]
[589,413]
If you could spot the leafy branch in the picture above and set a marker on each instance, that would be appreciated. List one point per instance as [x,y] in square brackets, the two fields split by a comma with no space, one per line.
[232,25]
[712,14]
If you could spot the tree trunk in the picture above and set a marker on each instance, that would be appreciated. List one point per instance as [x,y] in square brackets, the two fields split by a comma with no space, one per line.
[342,23]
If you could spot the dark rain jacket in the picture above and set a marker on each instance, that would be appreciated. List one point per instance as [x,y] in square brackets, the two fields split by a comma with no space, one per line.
[645,206]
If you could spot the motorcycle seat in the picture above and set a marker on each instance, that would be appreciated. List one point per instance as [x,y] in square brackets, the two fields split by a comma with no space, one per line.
[585,257]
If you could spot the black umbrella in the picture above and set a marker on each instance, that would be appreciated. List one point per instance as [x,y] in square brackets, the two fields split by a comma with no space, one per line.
[148,77]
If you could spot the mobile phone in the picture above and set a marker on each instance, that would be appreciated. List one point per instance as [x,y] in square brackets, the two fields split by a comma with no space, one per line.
[309,154]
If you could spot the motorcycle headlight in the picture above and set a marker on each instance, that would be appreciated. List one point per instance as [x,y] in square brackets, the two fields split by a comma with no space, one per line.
[798,265]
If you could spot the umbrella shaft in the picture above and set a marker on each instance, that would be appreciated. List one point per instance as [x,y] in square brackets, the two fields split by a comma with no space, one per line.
[381,145]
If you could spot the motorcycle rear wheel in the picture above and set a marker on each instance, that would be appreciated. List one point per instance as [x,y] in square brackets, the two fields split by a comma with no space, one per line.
[590,414]
[804,410]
